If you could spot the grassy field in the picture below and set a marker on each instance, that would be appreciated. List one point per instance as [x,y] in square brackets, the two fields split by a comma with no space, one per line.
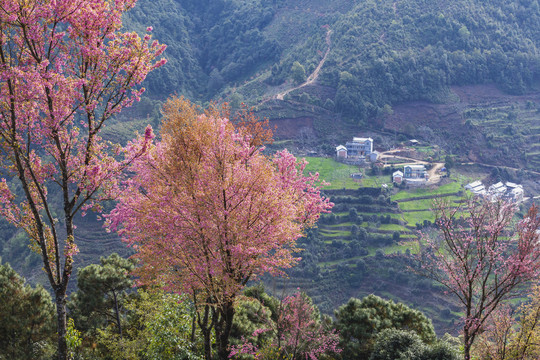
[415,204]
[450,188]
[393,227]
[337,174]
[334,233]
[425,204]
[411,218]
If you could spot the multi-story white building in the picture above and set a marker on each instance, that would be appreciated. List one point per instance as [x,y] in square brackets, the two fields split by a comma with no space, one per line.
[415,172]
[359,147]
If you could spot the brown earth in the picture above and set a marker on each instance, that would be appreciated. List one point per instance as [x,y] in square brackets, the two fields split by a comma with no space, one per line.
[444,124]
[287,127]
[436,124]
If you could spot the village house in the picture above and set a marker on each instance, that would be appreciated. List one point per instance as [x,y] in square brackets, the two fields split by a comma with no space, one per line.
[497,190]
[500,190]
[411,175]
[515,192]
[415,175]
[356,151]
[397,177]
[341,152]
[415,172]
[359,146]
[477,188]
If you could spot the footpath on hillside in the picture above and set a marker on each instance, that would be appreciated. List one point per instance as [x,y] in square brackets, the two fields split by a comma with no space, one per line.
[311,78]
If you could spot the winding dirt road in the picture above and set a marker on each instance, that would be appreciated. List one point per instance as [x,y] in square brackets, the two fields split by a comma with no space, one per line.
[311,78]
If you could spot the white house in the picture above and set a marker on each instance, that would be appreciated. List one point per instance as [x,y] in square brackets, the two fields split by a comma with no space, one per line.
[500,190]
[473,185]
[359,146]
[476,187]
[397,177]
[497,190]
[357,151]
[415,172]
[341,152]
[514,192]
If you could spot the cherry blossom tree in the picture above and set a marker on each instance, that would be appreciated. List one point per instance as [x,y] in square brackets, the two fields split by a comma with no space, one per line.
[297,333]
[479,258]
[300,332]
[512,334]
[206,212]
[65,69]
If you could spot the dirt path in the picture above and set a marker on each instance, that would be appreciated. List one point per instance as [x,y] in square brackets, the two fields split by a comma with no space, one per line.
[434,174]
[311,78]
[502,167]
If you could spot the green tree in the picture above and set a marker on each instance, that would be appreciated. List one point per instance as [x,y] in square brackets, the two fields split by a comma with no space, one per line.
[103,289]
[251,314]
[26,318]
[449,162]
[362,234]
[160,327]
[298,73]
[359,322]
[394,344]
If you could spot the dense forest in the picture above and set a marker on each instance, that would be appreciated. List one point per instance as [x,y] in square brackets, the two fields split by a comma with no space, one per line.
[382,52]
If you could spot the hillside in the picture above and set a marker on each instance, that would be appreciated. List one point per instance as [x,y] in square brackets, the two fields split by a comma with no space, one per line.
[461,76]
[383,52]
[321,69]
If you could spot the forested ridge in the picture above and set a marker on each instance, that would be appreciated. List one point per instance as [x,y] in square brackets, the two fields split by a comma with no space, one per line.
[383,52]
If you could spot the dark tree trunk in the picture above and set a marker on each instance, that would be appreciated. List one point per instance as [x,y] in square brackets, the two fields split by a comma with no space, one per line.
[223,330]
[466,345]
[117,314]
[61,323]
[206,329]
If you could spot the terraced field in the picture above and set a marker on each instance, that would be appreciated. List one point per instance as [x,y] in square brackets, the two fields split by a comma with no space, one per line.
[510,127]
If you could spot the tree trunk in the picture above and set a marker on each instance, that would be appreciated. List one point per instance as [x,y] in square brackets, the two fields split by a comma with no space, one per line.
[206,330]
[61,323]
[225,326]
[466,345]
[117,313]
[207,345]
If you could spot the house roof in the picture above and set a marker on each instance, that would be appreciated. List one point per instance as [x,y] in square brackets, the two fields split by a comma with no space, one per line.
[359,139]
[512,185]
[416,167]
[473,184]
[397,173]
[479,191]
[341,147]
[498,187]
